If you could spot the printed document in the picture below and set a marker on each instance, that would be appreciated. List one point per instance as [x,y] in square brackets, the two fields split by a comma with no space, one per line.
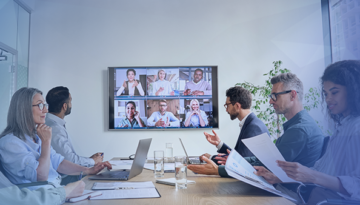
[128,194]
[266,151]
[122,185]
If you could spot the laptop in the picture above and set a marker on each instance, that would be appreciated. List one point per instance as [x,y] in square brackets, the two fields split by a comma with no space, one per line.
[192,159]
[136,168]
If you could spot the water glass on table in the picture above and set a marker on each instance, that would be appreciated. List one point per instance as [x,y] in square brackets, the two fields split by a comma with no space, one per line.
[180,172]
[159,163]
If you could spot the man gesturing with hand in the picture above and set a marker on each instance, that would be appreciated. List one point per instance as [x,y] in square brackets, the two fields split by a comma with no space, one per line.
[162,118]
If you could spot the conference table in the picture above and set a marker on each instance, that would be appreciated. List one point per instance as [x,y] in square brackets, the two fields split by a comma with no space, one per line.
[208,190]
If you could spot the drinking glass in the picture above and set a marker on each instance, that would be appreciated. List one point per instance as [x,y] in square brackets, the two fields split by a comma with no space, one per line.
[180,172]
[169,153]
[159,163]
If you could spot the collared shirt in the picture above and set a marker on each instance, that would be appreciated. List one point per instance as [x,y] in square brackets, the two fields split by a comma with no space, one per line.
[241,124]
[156,116]
[133,123]
[61,141]
[195,120]
[20,160]
[161,83]
[200,86]
[342,156]
[11,194]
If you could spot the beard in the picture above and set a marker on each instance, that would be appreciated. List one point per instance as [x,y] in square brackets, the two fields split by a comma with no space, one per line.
[233,116]
[68,110]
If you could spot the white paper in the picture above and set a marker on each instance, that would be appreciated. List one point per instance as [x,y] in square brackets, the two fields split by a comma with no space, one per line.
[120,164]
[123,185]
[172,181]
[128,194]
[167,166]
[266,151]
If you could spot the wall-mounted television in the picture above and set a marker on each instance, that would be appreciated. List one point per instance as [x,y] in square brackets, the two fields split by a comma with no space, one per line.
[163,97]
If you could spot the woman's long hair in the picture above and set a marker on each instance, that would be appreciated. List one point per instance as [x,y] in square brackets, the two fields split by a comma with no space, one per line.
[345,73]
[20,120]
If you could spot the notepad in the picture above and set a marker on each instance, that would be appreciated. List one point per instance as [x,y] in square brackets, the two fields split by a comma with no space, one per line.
[87,194]
[171,181]
[128,194]
[122,185]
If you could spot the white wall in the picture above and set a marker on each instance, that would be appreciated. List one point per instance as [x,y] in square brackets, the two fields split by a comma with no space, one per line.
[73,43]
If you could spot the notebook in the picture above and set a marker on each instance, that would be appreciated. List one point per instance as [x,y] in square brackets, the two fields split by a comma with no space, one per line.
[136,167]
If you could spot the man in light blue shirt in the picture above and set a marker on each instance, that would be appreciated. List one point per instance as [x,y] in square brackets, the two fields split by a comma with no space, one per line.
[162,118]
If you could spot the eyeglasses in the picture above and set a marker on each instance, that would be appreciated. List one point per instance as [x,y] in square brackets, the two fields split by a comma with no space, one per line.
[226,104]
[273,96]
[42,105]
[162,105]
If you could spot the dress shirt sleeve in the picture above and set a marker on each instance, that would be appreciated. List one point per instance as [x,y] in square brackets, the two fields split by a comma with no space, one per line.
[351,182]
[208,90]
[119,92]
[204,117]
[140,89]
[42,196]
[151,120]
[174,122]
[154,88]
[222,171]
[18,161]
[55,158]
[61,143]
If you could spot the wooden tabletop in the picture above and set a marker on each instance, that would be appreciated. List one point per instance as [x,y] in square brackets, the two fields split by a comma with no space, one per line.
[207,190]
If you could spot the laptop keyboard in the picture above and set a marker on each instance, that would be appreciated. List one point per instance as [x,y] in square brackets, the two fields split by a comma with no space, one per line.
[123,175]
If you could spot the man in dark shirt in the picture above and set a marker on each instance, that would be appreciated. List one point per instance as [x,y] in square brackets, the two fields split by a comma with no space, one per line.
[302,139]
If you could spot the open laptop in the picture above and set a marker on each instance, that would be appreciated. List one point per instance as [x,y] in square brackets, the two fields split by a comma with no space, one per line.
[136,168]
[192,159]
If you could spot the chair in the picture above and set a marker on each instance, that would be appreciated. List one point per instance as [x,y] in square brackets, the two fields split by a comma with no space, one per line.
[24,185]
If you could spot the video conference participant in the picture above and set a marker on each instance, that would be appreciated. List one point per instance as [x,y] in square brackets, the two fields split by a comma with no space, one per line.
[132,116]
[337,172]
[162,86]
[162,118]
[25,145]
[59,100]
[196,117]
[302,139]
[11,194]
[198,86]
[132,86]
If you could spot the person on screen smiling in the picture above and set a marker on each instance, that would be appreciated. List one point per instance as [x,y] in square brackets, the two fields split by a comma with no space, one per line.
[302,139]
[162,118]
[197,86]
[196,117]
[132,117]
[132,86]
[162,86]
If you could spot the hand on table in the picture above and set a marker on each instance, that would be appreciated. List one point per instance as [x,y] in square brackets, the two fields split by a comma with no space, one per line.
[98,167]
[210,168]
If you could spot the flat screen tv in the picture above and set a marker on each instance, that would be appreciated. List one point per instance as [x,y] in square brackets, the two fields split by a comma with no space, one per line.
[163,97]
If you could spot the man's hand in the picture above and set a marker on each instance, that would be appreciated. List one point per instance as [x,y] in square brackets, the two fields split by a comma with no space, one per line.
[209,169]
[167,124]
[297,171]
[160,123]
[124,84]
[207,155]
[213,139]
[187,92]
[44,133]
[222,158]
[98,167]
[269,177]
[172,93]
[135,84]
[97,157]
[74,189]
[197,92]
[124,125]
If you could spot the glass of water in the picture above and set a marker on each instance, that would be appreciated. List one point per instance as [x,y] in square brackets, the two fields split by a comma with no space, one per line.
[181,172]
[169,153]
[159,163]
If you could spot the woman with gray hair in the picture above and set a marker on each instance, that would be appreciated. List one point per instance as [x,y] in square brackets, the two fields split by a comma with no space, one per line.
[196,117]
[26,154]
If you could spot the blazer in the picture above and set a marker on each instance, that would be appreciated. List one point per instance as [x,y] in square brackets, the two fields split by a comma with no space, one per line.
[252,127]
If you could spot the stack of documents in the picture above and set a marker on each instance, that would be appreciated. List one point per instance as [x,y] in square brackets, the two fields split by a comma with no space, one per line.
[87,194]
[171,181]
[126,190]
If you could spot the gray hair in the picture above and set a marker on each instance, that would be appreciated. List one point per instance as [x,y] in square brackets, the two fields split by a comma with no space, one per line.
[191,102]
[290,82]
[20,120]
